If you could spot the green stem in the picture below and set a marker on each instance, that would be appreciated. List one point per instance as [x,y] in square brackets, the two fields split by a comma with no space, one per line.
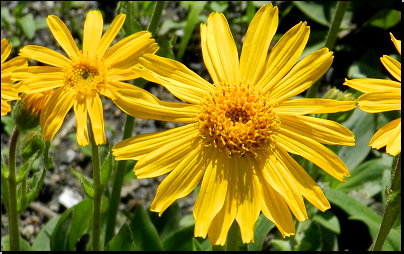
[342,6]
[234,241]
[127,133]
[393,209]
[13,213]
[97,193]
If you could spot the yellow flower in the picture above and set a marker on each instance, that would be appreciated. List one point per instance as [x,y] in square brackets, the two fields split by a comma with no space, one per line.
[87,75]
[7,94]
[241,129]
[380,96]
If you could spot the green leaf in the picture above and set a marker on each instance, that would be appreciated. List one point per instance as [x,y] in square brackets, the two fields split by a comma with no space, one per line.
[27,24]
[42,240]
[358,211]
[144,233]
[4,170]
[78,224]
[106,170]
[385,19]
[182,240]
[34,185]
[123,241]
[192,19]
[169,221]
[308,236]
[328,220]
[165,49]
[60,235]
[281,244]
[5,244]
[22,172]
[362,125]
[218,6]
[262,228]
[8,120]
[330,240]
[323,12]
[86,182]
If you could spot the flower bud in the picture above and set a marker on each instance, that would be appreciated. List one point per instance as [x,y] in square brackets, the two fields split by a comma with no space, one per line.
[26,112]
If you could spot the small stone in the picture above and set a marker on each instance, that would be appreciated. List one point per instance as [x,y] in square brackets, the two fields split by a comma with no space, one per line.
[69,198]
[27,231]
[35,219]
[54,179]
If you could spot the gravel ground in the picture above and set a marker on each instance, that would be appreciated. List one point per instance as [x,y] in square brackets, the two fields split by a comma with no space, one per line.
[61,188]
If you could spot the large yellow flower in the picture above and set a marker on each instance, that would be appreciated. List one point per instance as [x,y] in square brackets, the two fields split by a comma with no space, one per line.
[241,129]
[380,96]
[7,94]
[87,75]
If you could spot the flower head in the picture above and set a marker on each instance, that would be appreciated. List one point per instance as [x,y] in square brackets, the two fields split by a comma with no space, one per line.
[241,129]
[85,76]
[381,96]
[7,94]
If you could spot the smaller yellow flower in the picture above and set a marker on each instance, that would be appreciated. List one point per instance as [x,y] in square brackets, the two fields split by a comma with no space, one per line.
[381,96]
[7,94]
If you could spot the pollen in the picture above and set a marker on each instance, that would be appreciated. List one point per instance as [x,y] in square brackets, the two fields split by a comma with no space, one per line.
[86,75]
[238,120]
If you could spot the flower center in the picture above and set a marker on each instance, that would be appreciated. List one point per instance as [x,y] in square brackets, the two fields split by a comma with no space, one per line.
[86,75]
[238,120]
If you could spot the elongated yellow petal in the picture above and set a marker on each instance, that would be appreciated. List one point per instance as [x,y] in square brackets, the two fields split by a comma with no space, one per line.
[59,104]
[137,147]
[37,85]
[62,35]
[314,152]
[321,130]
[183,179]
[284,55]
[303,75]
[397,43]
[392,65]
[96,113]
[389,133]
[5,108]
[5,50]
[80,110]
[368,85]
[313,106]
[126,52]
[256,44]
[121,74]
[380,101]
[110,88]
[165,158]
[44,55]
[305,184]
[38,79]
[110,34]
[144,105]
[222,49]
[178,79]
[212,193]
[7,92]
[206,57]
[9,67]
[45,108]
[93,27]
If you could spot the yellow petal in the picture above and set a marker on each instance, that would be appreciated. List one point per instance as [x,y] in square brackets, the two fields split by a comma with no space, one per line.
[284,55]
[9,67]
[45,108]
[167,157]
[142,104]
[5,51]
[57,107]
[93,27]
[392,65]
[178,79]
[302,75]
[38,79]
[44,55]
[212,193]
[95,112]
[7,92]
[109,89]
[321,130]
[314,152]
[386,134]
[256,44]
[62,35]
[121,74]
[222,49]
[305,184]
[137,147]
[397,43]
[110,34]
[380,101]
[37,85]
[5,108]
[369,85]
[313,106]
[80,110]
[183,179]
[126,52]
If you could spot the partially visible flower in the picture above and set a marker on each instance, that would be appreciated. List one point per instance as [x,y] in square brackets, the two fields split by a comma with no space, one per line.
[7,94]
[380,96]
[241,129]
[85,77]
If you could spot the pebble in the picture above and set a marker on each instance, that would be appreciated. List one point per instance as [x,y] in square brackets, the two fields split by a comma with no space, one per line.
[27,231]
[69,198]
